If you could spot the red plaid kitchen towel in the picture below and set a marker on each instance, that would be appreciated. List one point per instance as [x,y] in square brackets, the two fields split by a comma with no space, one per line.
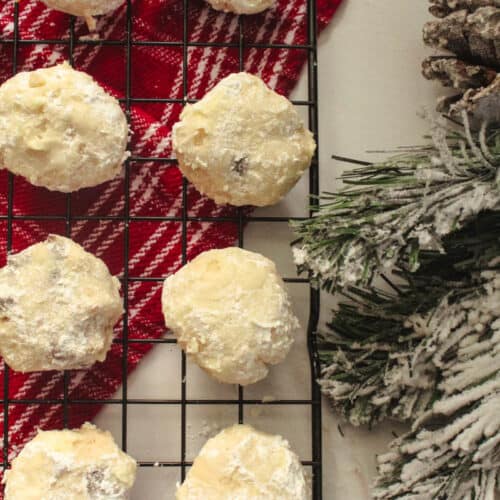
[155,187]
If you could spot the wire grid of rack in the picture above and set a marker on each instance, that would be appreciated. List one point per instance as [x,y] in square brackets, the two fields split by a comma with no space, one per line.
[314,297]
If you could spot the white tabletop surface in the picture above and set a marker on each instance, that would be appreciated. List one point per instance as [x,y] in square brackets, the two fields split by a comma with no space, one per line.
[370,93]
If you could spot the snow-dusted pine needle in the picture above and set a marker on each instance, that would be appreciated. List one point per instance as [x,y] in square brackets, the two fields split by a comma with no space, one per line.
[453,449]
[393,210]
[379,357]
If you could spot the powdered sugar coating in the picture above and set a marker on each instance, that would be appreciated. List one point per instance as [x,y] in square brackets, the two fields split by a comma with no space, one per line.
[241,6]
[231,313]
[241,463]
[84,8]
[59,129]
[243,144]
[82,464]
[58,306]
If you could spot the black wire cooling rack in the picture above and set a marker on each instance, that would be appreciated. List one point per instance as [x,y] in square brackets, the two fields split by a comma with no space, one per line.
[314,403]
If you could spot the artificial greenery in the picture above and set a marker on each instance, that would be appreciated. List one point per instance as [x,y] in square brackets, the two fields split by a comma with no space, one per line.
[393,210]
[370,371]
[412,247]
[453,449]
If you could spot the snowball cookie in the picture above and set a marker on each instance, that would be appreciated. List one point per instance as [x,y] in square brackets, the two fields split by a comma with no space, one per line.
[231,313]
[243,463]
[84,8]
[241,6]
[83,464]
[58,306]
[60,129]
[243,144]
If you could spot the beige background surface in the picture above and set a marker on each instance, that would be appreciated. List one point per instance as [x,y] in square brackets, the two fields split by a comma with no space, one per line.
[370,92]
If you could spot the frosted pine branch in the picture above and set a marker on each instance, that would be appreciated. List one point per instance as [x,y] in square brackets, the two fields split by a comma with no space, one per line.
[421,466]
[375,361]
[453,450]
[393,210]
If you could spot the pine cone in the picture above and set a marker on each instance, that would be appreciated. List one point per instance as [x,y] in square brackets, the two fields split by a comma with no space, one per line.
[473,37]
[441,8]
[452,72]
[470,29]
[483,104]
